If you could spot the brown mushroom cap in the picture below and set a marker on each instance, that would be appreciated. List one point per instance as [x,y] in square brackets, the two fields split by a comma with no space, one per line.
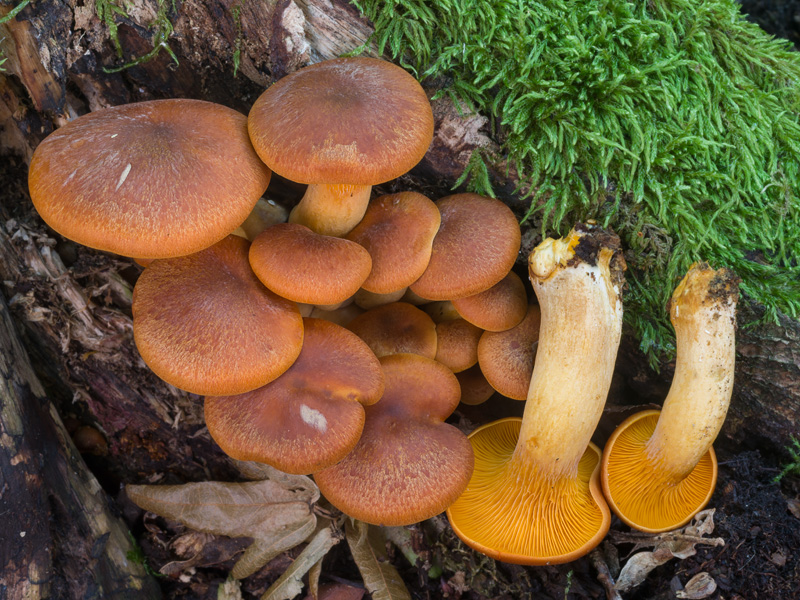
[506,357]
[395,329]
[408,465]
[457,346]
[348,120]
[477,244]
[310,417]
[206,324]
[474,387]
[499,308]
[154,179]
[397,230]
[303,266]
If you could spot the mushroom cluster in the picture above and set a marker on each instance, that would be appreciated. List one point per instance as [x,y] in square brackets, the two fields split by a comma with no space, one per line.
[338,343]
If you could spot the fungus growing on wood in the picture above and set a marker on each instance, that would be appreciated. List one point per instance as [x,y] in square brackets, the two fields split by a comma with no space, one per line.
[341,126]
[310,417]
[207,325]
[534,497]
[659,468]
[408,465]
[154,179]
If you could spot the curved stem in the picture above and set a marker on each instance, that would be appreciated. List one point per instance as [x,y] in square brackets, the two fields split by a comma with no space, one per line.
[332,209]
[578,283]
[702,311]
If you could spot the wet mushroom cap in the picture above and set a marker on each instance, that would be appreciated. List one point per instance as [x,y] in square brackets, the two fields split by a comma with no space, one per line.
[476,246]
[398,231]
[499,308]
[303,266]
[408,465]
[396,328]
[154,179]
[359,121]
[207,325]
[310,417]
[507,357]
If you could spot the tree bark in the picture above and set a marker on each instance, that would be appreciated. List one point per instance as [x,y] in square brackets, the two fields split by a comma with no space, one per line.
[76,316]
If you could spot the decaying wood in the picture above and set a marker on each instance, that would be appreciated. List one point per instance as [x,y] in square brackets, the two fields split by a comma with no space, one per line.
[58,537]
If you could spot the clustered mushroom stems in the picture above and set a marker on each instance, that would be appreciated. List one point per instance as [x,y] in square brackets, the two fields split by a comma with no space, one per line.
[534,496]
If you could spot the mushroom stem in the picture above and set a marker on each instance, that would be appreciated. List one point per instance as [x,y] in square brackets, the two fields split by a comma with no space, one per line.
[580,332]
[702,310]
[534,497]
[332,209]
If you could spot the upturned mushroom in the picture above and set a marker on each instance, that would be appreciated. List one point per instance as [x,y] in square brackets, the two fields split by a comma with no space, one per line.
[154,179]
[534,497]
[341,126]
[659,468]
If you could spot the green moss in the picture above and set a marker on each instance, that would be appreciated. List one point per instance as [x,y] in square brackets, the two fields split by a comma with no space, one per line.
[675,122]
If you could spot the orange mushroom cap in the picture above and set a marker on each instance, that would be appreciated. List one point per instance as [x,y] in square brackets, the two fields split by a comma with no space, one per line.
[457,344]
[303,266]
[396,328]
[397,230]
[206,324]
[310,417]
[408,465]
[506,357]
[474,387]
[476,246]
[499,308]
[155,179]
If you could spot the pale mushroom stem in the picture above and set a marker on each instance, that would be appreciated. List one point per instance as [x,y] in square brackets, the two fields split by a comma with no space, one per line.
[580,332]
[332,209]
[702,310]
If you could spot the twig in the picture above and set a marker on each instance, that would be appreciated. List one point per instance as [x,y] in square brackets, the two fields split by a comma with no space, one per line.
[604,575]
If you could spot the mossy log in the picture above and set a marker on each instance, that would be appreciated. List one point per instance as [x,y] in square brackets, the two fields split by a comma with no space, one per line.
[73,303]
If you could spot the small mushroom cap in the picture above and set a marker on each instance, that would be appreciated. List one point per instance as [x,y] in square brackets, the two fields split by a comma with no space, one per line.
[303,266]
[499,308]
[397,230]
[521,516]
[396,328]
[348,120]
[154,179]
[312,415]
[408,465]
[206,324]
[457,344]
[507,357]
[474,387]
[476,246]
[639,492]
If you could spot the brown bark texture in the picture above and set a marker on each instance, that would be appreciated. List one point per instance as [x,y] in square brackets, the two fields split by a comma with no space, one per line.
[72,304]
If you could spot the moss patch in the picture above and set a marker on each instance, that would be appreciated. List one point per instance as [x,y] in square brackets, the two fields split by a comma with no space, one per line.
[675,122]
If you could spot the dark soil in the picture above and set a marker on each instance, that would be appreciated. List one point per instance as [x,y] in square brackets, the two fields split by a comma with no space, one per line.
[781,18]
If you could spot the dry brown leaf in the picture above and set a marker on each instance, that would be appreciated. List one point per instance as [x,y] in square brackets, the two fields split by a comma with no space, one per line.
[277,517]
[369,551]
[700,586]
[794,506]
[666,546]
[290,584]
[338,591]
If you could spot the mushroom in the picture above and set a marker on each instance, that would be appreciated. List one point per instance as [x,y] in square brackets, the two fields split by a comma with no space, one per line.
[303,266]
[457,346]
[341,126]
[659,469]
[207,325]
[476,246]
[310,417]
[499,308]
[155,179]
[534,497]
[474,387]
[396,328]
[408,465]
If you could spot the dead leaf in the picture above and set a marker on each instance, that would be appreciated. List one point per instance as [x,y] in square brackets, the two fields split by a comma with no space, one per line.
[313,579]
[666,546]
[369,551]
[290,584]
[700,586]
[338,591]
[794,506]
[230,589]
[277,517]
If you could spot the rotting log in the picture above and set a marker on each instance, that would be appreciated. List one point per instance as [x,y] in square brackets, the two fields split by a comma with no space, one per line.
[59,538]
[75,316]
